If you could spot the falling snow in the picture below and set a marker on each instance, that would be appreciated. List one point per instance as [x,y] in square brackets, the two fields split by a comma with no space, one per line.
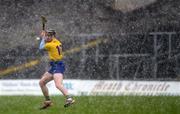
[137,44]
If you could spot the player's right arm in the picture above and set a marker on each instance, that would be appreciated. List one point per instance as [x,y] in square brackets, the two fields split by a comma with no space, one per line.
[42,43]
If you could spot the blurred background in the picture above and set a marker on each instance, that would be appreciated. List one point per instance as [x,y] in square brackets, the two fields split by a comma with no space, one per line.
[102,39]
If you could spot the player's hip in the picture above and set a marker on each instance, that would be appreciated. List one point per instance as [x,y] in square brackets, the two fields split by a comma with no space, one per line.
[55,57]
[56,67]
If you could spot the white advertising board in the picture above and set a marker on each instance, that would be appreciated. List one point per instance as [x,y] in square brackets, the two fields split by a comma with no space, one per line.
[136,88]
[31,87]
[95,87]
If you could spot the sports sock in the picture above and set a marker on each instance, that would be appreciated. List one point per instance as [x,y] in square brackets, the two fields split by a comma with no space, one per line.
[68,96]
[47,98]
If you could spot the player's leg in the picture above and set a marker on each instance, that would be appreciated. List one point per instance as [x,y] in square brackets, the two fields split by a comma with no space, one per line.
[58,79]
[43,81]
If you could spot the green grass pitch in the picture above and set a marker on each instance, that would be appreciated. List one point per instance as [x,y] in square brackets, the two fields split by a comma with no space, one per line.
[92,105]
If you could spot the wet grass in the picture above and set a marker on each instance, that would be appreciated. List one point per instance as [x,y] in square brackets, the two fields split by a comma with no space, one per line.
[92,105]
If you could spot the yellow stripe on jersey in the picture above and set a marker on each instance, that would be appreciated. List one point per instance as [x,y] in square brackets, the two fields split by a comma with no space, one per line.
[54,49]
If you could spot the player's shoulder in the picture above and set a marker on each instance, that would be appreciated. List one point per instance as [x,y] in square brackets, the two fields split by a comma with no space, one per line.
[55,40]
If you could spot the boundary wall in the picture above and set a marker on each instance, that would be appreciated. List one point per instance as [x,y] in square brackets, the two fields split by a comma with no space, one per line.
[93,87]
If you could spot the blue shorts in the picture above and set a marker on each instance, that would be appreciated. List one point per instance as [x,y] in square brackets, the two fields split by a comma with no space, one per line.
[57,67]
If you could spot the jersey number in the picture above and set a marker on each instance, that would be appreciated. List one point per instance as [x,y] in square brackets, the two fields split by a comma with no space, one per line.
[59,49]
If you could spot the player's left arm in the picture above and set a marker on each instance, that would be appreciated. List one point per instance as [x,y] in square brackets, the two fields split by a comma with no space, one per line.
[60,47]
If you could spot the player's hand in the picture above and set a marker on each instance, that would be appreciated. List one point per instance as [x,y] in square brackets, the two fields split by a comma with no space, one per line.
[43,34]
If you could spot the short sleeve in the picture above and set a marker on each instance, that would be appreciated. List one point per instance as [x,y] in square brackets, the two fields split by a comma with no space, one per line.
[47,46]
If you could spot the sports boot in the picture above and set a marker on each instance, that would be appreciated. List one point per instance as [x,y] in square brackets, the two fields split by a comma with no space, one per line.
[46,104]
[69,101]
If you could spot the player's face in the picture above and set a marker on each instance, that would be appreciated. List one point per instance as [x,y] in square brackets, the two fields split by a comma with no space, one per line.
[48,37]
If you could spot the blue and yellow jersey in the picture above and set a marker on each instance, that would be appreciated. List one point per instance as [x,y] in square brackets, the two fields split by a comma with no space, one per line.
[54,49]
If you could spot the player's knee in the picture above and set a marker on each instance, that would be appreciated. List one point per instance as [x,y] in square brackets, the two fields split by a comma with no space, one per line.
[41,83]
[58,86]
